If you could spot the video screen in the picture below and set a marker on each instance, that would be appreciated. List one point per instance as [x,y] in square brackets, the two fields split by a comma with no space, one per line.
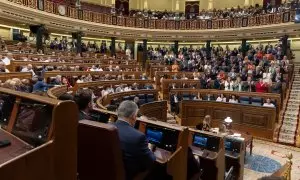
[6,106]
[154,136]
[200,141]
[297,16]
[33,122]
[228,145]
[162,137]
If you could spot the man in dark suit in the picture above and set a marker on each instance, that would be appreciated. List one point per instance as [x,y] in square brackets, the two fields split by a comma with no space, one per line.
[277,87]
[137,157]
[174,101]
[217,83]
[83,101]
[249,85]
[203,82]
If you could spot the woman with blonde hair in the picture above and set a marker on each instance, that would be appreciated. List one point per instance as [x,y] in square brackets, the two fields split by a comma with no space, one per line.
[205,125]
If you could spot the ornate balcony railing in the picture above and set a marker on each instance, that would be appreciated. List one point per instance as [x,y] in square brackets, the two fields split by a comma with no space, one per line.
[110,19]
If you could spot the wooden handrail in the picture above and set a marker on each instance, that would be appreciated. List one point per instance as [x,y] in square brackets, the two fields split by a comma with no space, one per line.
[193,24]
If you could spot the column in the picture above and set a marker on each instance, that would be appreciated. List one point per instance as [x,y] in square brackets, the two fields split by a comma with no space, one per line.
[208,49]
[176,49]
[145,4]
[39,38]
[113,46]
[79,36]
[210,4]
[284,41]
[145,52]
[135,53]
[247,3]
[177,5]
[244,47]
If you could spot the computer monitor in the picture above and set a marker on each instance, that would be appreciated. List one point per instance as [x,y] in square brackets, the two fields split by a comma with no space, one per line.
[206,141]
[33,122]
[228,145]
[297,16]
[154,136]
[162,137]
[200,141]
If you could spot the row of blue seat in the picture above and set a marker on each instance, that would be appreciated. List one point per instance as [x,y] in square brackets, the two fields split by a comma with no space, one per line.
[257,101]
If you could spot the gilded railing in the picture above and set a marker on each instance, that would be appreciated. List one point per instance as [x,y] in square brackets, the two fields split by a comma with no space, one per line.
[110,19]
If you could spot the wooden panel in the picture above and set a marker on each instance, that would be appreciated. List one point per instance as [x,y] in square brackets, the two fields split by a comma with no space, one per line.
[258,121]
[155,110]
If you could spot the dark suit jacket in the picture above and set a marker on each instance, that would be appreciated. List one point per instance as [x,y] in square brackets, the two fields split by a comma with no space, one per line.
[137,156]
[277,88]
[246,87]
[172,100]
[217,84]
[203,83]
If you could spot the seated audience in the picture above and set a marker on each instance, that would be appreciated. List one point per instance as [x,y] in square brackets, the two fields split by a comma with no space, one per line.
[84,103]
[66,96]
[233,99]
[237,86]
[40,85]
[136,100]
[3,67]
[28,68]
[261,86]
[248,86]
[268,103]
[205,125]
[228,84]
[198,97]
[221,98]
[137,157]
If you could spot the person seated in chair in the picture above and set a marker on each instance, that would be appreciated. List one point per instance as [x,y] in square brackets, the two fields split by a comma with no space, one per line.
[136,100]
[221,98]
[205,125]
[268,103]
[83,101]
[197,97]
[233,99]
[137,157]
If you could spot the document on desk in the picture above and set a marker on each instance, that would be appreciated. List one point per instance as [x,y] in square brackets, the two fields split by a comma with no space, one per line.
[158,154]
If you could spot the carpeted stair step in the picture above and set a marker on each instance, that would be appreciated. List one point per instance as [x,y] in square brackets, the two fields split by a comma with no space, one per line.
[286,138]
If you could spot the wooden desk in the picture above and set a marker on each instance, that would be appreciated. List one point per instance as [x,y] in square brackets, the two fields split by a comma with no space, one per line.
[16,148]
[204,153]
[257,120]
[248,139]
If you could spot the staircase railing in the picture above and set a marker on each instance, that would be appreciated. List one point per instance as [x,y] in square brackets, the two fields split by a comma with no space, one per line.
[284,107]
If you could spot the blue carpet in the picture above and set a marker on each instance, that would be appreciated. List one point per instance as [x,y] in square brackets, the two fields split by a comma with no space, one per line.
[261,163]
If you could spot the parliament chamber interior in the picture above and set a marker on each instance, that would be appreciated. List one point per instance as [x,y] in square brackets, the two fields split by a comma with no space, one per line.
[149,90]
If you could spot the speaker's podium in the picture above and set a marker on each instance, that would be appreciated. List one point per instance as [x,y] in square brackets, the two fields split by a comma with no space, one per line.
[171,146]
[209,150]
